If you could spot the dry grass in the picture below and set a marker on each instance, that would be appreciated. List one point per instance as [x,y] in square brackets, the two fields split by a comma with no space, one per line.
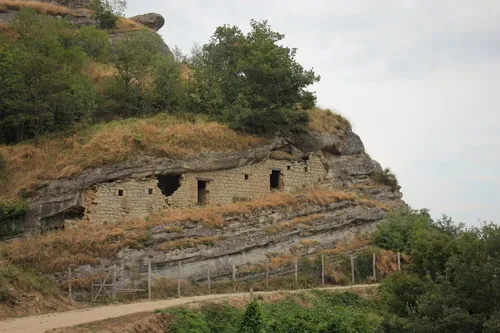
[327,121]
[309,242]
[39,7]
[356,243]
[98,72]
[86,242]
[375,203]
[115,142]
[125,24]
[184,243]
[299,222]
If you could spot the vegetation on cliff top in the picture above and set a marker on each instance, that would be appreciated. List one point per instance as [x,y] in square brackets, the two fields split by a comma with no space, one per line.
[75,98]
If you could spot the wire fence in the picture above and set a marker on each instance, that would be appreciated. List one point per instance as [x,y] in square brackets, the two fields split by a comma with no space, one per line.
[277,273]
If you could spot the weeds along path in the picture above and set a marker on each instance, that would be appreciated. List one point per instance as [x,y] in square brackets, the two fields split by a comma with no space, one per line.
[44,323]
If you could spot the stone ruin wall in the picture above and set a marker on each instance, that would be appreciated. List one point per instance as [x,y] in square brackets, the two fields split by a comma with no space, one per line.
[133,198]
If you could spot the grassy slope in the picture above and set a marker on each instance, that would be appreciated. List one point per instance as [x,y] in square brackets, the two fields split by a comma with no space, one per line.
[123,24]
[61,156]
[162,136]
[25,292]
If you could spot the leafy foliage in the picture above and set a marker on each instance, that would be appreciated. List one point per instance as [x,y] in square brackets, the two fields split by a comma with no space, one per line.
[397,232]
[319,311]
[12,209]
[451,284]
[252,319]
[251,81]
[107,12]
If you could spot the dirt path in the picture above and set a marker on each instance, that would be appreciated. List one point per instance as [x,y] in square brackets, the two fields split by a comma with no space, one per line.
[40,324]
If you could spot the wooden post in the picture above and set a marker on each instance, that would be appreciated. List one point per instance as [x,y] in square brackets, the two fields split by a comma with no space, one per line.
[179,280]
[399,261]
[208,280]
[267,275]
[234,278]
[149,278]
[374,267]
[70,291]
[322,269]
[114,282]
[296,271]
[352,268]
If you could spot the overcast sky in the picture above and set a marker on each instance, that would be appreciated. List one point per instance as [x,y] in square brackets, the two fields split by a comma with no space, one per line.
[419,80]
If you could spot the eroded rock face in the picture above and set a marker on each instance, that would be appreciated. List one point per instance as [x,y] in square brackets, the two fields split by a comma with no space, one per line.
[151,20]
[343,156]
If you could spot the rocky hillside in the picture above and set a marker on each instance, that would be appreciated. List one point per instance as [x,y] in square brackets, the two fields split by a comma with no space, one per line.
[123,111]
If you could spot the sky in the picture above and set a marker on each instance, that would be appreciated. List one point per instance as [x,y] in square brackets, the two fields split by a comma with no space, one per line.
[419,81]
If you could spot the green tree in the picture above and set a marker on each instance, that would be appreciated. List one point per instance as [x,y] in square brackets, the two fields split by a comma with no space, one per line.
[107,12]
[397,231]
[128,93]
[252,319]
[251,81]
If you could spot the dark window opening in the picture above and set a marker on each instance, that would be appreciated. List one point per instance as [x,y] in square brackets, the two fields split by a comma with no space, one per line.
[168,184]
[289,167]
[275,180]
[120,193]
[202,192]
[246,177]
[306,169]
[150,191]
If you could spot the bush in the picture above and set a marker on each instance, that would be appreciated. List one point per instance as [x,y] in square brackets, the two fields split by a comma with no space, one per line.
[386,177]
[12,210]
[397,232]
[104,14]
[252,319]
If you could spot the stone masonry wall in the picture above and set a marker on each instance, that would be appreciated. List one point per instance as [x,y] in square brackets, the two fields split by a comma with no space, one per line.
[139,198]
[109,202]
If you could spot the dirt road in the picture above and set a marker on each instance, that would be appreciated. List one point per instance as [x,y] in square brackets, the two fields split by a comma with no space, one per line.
[40,324]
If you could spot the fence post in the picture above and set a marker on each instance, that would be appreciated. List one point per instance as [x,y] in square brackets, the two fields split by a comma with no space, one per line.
[322,269]
[114,282]
[179,280]
[208,280]
[234,278]
[267,275]
[70,291]
[149,278]
[399,261]
[296,271]
[352,268]
[374,267]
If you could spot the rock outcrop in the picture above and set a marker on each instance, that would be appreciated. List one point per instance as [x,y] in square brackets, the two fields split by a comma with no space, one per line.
[151,20]
[343,156]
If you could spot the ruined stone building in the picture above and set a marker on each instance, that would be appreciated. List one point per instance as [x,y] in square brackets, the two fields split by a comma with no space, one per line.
[132,198]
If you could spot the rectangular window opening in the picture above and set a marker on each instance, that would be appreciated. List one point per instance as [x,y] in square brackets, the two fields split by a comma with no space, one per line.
[306,169]
[202,193]
[120,193]
[289,167]
[150,191]
[247,177]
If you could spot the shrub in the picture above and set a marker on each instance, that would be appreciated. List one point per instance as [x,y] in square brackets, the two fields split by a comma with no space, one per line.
[12,209]
[106,13]
[386,177]
[252,319]
[186,321]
